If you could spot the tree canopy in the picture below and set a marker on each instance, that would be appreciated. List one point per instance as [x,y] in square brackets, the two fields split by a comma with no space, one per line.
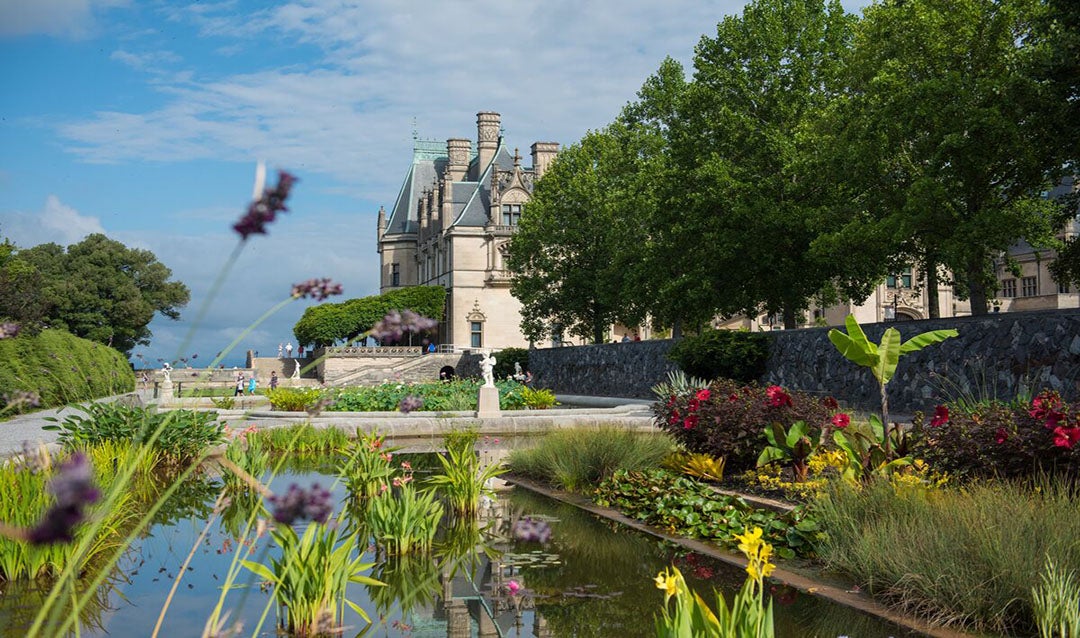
[330,323]
[98,289]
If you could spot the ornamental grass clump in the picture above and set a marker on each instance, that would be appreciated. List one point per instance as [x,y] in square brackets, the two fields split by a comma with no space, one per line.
[464,478]
[578,459]
[957,557]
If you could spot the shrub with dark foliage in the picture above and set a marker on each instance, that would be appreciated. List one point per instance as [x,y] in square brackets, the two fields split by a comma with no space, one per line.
[1002,440]
[728,418]
[723,354]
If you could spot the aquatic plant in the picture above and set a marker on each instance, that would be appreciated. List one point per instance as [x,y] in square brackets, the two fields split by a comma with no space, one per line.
[464,478]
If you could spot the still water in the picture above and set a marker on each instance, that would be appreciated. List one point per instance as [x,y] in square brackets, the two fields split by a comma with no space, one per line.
[592,578]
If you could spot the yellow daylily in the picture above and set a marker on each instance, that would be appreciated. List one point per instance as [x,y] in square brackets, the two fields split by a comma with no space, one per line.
[668,582]
[750,541]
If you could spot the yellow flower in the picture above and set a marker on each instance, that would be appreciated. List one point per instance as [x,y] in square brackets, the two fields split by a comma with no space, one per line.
[749,542]
[668,582]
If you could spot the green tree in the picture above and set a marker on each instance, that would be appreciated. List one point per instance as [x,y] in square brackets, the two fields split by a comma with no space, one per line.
[569,251]
[330,323]
[22,297]
[101,290]
[949,137]
[741,147]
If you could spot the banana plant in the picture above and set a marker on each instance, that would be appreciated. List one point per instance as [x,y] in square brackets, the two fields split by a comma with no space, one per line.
[864,445]
[794,446]
[882,358]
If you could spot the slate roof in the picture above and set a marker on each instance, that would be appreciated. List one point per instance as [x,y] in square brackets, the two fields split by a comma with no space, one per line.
[475,210]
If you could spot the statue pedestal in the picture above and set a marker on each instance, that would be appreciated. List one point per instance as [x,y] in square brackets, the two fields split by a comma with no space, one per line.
[165,391]
[488,405]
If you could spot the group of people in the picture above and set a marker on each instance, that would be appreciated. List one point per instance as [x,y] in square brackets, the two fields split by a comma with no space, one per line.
[250,383]
[285,351]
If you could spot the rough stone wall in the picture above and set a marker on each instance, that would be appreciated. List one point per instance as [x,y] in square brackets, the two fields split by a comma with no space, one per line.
[997,355]
[994,356]
[627,370]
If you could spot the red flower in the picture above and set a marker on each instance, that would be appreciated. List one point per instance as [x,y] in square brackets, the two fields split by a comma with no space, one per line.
[703,395]
[672,401]
[830,403]
[689,422]
[1066,437]
[777,397]
[1044,405]
[841,420]
[692,405]
[733,398]
[1002,436]
[941,416]
[1053,418]
[674,418]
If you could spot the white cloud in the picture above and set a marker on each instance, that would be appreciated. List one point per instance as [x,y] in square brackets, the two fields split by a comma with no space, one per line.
[63,18]
[56,222]
[151,61]
[553,69]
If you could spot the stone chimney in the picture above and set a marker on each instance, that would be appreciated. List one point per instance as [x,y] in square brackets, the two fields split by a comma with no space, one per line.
[382,221]
[487,139]
[457,149]
[542,155]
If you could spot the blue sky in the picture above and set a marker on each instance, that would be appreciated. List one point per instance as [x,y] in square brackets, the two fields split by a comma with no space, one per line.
[144,121]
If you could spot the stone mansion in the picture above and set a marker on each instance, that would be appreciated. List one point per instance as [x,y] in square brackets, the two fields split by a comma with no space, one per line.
[450,225]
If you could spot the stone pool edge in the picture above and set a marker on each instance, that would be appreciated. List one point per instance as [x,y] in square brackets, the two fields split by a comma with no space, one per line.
[801,582]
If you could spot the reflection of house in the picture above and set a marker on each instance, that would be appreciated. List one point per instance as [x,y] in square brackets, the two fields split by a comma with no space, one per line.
[450,227]
[903,297]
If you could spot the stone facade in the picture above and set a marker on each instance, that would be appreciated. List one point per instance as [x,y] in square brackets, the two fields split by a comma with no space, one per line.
[998,355]
[450,226]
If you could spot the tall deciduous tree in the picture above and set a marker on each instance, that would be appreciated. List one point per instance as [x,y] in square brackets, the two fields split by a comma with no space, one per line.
[741,147]
[949,136]
[101,290]
[571,248]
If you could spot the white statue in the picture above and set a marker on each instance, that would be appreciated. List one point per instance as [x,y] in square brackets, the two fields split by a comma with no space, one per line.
[280,349]
[296,370]
[517,369]
[487,365]
[166,372]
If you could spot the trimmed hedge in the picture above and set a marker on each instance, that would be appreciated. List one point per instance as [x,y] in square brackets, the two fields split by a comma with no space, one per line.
[723,354]
[61,368]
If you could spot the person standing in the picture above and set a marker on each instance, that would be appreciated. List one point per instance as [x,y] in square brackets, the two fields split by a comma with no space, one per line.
[288,350]
[251,384]
[239,384]
[273,380]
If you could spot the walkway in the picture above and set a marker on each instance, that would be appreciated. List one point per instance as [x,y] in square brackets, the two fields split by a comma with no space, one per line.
[596,411]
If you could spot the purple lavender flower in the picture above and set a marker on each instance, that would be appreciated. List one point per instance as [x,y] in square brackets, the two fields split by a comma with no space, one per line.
[317,289]
[530,530]
[74,489]
[410,403]
[263,210]
[395,324]
[9,330]
[299,504]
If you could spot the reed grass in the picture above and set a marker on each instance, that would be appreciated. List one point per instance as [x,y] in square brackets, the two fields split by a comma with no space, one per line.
[959,557]
[301,439]
[577,459]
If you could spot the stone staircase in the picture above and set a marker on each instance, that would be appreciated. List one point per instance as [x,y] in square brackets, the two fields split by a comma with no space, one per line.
[417,369]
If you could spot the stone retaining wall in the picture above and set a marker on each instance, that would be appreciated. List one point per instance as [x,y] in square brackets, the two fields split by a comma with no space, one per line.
[998,355]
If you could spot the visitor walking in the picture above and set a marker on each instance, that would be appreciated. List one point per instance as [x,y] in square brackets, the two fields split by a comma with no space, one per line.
[239,385]
[251,384]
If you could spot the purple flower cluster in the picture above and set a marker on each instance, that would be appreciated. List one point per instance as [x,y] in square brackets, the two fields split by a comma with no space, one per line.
[9,330]
[73,487]
[410,403]
[317,289]
[21,398]
[263,210]
[299,504]
[531,530]
[395,324]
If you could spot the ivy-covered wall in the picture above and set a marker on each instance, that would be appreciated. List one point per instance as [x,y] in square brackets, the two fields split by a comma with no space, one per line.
[997,355]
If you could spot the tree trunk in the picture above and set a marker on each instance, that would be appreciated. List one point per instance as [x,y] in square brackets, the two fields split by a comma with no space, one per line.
[676,329]
[933,303]
[789,318]
[977,289]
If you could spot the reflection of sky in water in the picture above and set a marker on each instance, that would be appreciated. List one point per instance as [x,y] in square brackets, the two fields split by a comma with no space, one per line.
[593,579]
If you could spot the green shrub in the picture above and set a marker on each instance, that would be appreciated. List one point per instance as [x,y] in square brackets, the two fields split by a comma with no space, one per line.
[729,354]
[184,433]
[293,399]
[578,459]
[61,368]
[728,419]
[505,360]
[962,557]
[538,398]
[438,396]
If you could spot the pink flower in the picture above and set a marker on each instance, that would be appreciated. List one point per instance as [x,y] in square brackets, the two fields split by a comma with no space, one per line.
[1066,437]
[703,395]
[405,465]
[777,397]
[1001,436]
[941,416]
[513,587]
[841,420]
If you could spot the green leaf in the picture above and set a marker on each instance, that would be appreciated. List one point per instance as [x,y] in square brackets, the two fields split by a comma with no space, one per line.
[854,345]
[888,355]
[769,455]
[918,342]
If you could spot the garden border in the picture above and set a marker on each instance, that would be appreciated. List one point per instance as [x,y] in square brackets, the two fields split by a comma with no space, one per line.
[801,582]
